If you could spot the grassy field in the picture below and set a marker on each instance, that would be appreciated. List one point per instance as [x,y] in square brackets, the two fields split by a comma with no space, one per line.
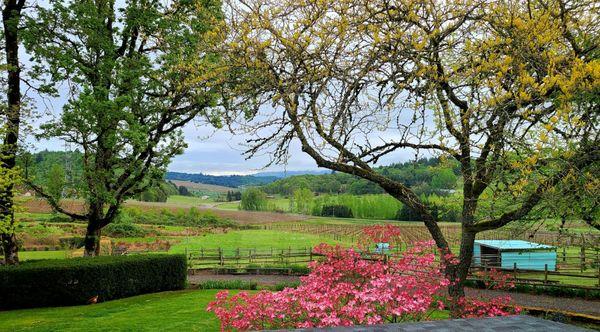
[187,200]
[168,311]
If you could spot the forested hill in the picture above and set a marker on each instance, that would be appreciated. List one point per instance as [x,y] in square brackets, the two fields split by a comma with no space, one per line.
[424,176]
[233,181]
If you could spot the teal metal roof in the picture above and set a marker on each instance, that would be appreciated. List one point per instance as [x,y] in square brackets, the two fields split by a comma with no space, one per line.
[512,245]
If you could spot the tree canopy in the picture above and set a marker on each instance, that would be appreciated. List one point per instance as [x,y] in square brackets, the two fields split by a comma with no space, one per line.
[508,89]
[137,72]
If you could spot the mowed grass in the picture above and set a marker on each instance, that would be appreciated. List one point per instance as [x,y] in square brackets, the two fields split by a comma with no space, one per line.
[255,239]
[167,311]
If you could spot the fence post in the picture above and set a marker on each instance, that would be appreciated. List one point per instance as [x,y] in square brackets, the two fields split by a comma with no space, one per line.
[515,270]
[564,254]
[582,257]
[545,273]
[221,257]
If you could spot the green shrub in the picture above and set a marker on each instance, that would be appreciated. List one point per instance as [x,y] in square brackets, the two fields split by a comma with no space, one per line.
[340,211]
[123,229]
[58,282]
[228,284]
[74,242]
[287,284]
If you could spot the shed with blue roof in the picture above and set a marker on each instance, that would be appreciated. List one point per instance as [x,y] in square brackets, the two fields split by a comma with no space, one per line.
[508,254]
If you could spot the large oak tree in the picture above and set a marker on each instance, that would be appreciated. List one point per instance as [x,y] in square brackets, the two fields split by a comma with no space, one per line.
[506,88]
[10,117]
[136,72]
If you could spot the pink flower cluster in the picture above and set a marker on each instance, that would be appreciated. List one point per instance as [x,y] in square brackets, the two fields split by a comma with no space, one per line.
[380,233]
[343,289]
[498,306]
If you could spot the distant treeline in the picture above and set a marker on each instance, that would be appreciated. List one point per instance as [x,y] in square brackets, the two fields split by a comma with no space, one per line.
[65,170]
[425,176]
[232,181]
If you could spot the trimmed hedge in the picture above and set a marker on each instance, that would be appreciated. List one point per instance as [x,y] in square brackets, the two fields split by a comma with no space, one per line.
[339,211]
[59,282]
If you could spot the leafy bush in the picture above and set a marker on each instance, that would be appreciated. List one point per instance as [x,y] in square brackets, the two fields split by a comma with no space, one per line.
[124,229]
[364,206]
[228,284]
[253,199]
[192,217]
[75,281]
[72,242]
[340,211]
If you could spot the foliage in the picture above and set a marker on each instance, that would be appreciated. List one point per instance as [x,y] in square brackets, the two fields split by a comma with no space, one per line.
[38,165]
[506,90]
[159,191]
[227,284]
[253,199]
[183,191]
[124,229]
[140,72]
[365,206]
[55,182]
[233,196]
[339,211]
[233,181]
[76,281]
[302,200]
[182,217]
[342,290]
[417,174]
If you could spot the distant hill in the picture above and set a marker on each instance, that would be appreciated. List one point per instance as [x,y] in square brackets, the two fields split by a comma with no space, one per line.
[201,186]
[285,174]
[231,181]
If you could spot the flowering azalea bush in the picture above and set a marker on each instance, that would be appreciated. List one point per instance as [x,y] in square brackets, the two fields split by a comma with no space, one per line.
[380,233]
[349,287]
[343,289]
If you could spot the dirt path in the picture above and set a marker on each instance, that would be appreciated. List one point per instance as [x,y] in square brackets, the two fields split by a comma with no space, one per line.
[577,305]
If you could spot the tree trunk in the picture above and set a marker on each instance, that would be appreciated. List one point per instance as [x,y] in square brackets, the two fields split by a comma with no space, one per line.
[11,16]
[458,273]
[9,245]
[92,240]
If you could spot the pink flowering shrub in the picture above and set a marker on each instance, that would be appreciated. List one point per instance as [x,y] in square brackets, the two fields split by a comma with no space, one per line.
[343,289]
[380,233]
[348,287]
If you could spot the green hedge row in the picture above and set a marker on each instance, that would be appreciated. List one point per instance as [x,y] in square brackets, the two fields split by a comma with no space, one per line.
[561,291]
[59,282]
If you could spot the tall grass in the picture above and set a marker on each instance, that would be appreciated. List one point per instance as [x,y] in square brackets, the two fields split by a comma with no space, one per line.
[363,206]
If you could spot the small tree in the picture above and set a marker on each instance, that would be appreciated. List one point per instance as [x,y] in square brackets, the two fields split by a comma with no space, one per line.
[55,182]
[253,199]
[302,200]
[138,71]
[183,191]
[507,89]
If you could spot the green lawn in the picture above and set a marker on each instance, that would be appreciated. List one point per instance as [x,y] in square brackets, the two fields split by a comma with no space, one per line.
[168,311]
[259,239]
